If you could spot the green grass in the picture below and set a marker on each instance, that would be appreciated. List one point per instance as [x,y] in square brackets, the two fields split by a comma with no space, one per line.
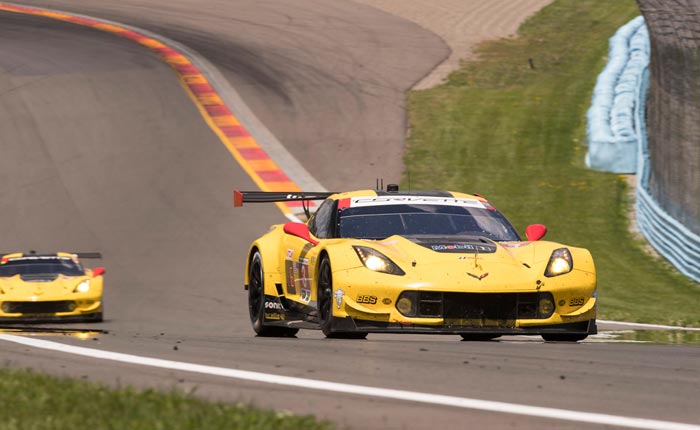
[37,402]
[516,134]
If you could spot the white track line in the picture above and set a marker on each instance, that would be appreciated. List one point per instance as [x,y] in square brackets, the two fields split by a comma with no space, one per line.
[642,326]
[435,399]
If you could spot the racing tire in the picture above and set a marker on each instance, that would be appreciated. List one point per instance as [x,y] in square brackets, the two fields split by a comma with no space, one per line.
[478,337]
[563,337]
[324,298]
[256,302]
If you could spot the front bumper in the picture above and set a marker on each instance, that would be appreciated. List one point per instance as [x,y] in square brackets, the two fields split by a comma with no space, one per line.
[349,324]
[489,308]
[83,310]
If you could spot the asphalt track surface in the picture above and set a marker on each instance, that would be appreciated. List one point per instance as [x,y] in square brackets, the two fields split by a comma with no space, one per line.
[102,150]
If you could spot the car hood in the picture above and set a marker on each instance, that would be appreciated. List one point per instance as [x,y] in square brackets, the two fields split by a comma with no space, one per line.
[467,260]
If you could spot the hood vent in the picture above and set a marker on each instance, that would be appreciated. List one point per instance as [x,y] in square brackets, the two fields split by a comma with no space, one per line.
[49,277]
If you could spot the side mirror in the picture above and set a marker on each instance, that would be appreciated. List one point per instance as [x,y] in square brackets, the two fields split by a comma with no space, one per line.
[98,271]
[535,232]
[299,230]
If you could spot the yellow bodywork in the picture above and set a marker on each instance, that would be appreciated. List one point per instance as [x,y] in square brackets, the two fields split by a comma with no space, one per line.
[50,300]
[290,266]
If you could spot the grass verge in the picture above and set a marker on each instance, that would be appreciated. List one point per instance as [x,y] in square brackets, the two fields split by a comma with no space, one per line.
[37,402]
[511,126]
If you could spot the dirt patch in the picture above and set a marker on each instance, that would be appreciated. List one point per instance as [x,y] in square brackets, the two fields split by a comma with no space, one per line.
[462,24]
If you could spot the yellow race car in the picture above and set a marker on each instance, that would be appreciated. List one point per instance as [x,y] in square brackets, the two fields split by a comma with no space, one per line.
[414,262]
[49,288]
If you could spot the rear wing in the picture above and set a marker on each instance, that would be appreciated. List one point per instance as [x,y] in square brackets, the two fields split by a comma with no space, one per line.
[88,254]
[240,197]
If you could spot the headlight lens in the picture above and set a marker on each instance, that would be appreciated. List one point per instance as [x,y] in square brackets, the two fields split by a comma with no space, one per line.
[375,260]
[82,287]
[559,263]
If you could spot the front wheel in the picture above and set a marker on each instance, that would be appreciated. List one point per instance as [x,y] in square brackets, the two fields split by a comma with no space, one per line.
[324,298]
[256,302]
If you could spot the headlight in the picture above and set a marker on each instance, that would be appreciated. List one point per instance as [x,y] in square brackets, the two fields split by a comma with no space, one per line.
[545,307]
[375,260]
[406,304]
[82,287]
[559,263]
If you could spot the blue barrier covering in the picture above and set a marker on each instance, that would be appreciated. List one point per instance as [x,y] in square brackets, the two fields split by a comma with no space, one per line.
[616,127]
[610,129]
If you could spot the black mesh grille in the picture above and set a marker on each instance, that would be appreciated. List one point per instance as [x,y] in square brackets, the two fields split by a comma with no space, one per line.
[480,309]
[38,307]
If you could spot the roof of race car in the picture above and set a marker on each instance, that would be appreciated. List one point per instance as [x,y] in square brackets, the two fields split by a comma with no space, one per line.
[31,256]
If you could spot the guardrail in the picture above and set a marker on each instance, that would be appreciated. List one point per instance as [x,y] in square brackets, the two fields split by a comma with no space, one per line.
[618,143]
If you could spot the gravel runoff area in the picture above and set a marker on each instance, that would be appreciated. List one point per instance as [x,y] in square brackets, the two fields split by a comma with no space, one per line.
[462,24]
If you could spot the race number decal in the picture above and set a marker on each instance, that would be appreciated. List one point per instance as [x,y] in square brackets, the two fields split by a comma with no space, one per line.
[298,278]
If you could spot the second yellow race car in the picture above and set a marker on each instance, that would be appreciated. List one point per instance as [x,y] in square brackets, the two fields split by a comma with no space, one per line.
[49,288]
[415,262]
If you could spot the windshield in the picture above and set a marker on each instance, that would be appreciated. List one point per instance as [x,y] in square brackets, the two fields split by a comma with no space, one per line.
[41,267]
[380,222]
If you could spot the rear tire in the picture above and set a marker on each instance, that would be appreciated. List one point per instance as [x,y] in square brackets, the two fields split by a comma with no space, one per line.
[479,337]
[256,302]
[563,337]
[324,298]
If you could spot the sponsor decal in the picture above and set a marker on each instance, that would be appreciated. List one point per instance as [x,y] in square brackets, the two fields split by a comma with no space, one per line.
[290,254]
[274,316]
[338,295]
[577,301]
[306,296]
[415,200]
[386,301]
[368,300]
[289,269]
[460,247]
[273,305]
[304,281]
